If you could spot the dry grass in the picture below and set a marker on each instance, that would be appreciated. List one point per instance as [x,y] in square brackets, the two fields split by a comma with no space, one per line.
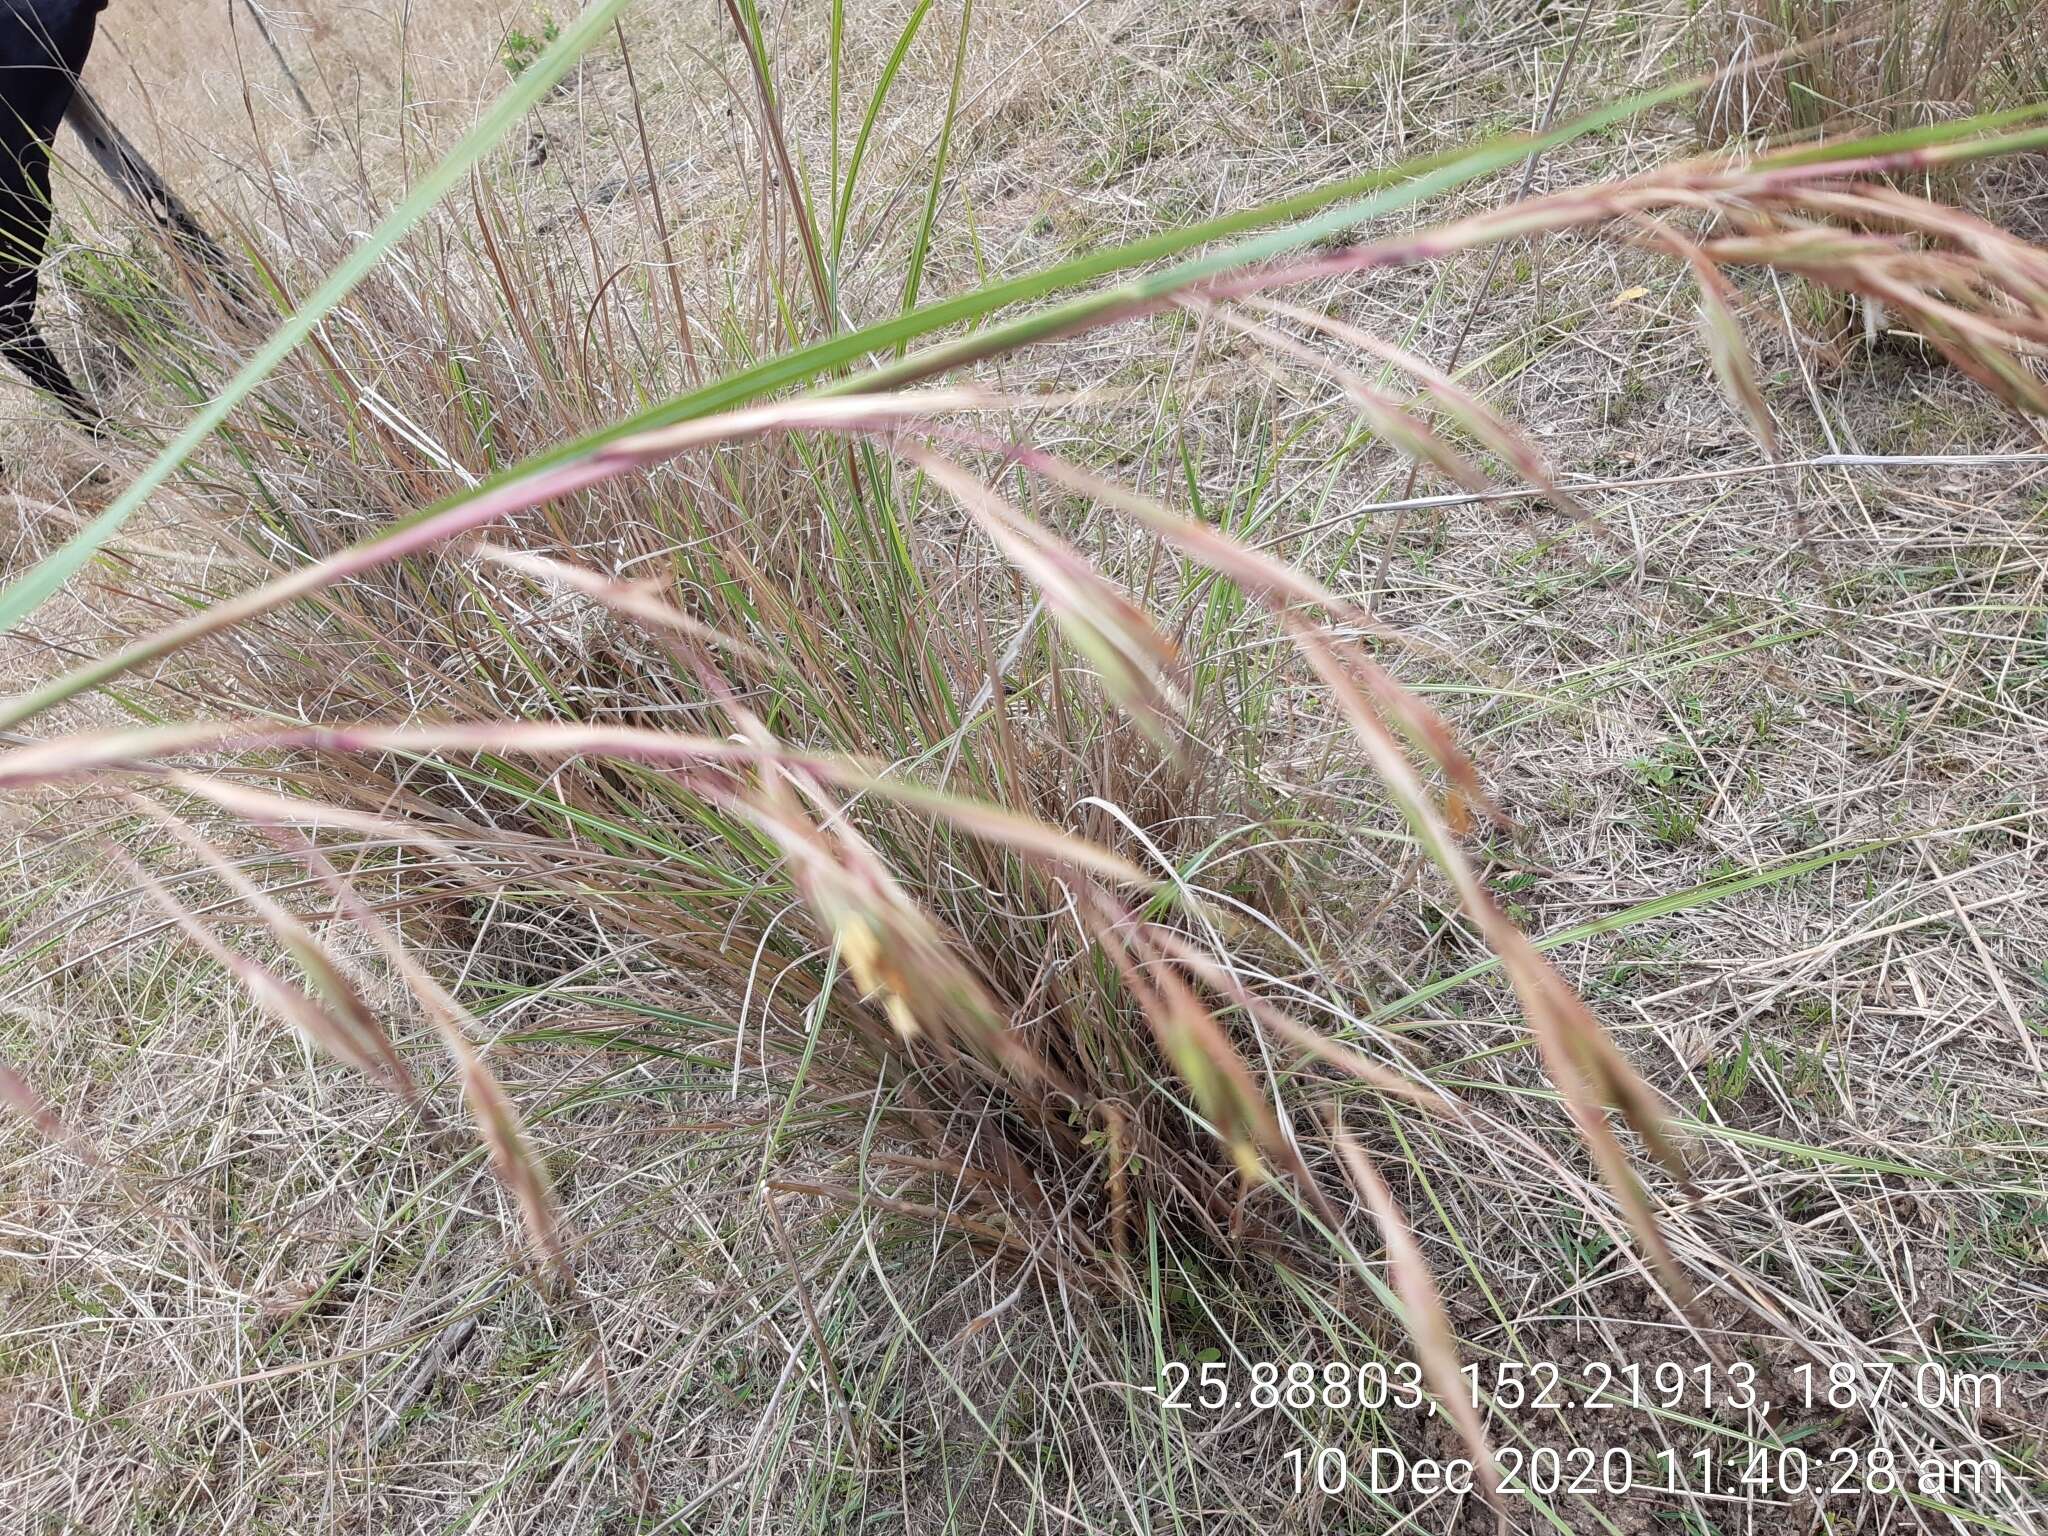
[1799,707]
[1854,66]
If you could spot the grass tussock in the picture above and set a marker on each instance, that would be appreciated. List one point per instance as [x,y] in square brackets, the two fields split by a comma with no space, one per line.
[1072,1063]
[933,769]
[1809,67]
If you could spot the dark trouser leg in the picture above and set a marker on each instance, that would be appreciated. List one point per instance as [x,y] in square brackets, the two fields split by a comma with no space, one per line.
[23,348]
[30,356]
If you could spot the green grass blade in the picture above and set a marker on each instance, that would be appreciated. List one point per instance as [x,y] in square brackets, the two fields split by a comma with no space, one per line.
[843,190]
[835,49]
[1931,136]
[913,278]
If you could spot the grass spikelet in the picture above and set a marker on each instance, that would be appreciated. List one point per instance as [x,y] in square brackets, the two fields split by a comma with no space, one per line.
[1727,350]
[1199,1050]
[1579,1066]
[496,1118]
[354,1034]
[1388,418]
[339,1037]
[1436,1349]
[1449,396]
[1135,662]
[896,953]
